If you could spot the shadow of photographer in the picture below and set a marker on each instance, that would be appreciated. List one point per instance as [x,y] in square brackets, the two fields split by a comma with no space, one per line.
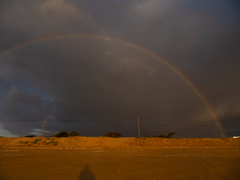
[86,174]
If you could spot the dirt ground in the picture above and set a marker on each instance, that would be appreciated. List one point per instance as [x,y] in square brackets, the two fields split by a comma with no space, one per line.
[116,143]
[111,164]
[83,158]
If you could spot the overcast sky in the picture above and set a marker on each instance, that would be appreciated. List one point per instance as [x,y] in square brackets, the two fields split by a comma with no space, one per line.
[83,83]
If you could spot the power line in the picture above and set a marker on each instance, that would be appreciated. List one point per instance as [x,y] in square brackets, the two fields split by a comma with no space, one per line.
[188,120]
[109,120]
[73,120]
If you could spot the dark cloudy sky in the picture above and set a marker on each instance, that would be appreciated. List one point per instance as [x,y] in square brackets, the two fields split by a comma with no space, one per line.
[95,86]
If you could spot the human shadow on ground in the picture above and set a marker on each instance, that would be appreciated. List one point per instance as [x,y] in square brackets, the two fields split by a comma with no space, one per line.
[86,174]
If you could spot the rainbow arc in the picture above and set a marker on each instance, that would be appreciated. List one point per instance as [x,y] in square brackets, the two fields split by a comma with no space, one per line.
[126,43]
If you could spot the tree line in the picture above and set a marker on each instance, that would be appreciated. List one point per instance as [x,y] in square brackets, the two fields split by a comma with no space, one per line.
[110,134]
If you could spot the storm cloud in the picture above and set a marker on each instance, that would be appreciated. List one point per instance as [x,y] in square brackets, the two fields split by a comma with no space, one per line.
[74,80]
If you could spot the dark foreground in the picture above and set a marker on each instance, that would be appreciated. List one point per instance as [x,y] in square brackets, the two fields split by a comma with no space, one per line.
[157,164]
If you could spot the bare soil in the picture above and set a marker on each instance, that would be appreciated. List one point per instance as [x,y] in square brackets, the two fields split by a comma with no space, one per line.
[83,158]
[115,164]
[116,143]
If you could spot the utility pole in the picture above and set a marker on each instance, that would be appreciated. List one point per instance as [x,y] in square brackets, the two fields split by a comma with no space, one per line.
[206,128]
[138,128]
[44,122]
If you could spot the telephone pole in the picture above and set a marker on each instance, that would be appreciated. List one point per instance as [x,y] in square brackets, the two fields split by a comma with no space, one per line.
[206,128]
[138,128]
[44,122]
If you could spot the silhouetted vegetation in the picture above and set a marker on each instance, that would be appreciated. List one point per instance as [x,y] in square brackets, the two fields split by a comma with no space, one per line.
[30,136]
[66,134]
[74,133]
[171,134]
[113,134]
[62,134]
[162,135]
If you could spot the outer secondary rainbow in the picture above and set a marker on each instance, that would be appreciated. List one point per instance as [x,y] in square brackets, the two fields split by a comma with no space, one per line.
[132,45]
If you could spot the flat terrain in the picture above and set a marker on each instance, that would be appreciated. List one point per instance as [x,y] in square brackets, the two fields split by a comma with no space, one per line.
[84,158]
[104,164]
[116,143]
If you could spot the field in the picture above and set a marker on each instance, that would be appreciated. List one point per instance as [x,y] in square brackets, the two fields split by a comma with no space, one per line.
[83,158]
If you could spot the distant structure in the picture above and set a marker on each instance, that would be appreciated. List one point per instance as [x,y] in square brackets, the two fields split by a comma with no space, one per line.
[236,136]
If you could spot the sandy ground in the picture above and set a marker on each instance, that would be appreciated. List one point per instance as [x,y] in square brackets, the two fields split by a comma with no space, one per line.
[86,158]
[104,164]
[116,143]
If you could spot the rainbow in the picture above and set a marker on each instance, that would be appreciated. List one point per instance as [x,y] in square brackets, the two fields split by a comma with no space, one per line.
[126,43]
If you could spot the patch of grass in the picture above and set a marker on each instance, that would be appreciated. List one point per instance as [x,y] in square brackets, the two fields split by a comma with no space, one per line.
[36,140]
[22,142]
[52,142]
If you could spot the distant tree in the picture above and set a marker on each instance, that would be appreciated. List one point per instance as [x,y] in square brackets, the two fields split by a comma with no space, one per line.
[162,135]
[170,134]
[113,134]
[147,135]
[30,136]
[62,134]
[74,133]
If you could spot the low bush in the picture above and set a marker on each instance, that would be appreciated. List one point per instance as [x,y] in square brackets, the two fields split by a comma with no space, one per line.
[62,134]
[74,133]
[30,136]
[162,135]
[113,134]
[171,134]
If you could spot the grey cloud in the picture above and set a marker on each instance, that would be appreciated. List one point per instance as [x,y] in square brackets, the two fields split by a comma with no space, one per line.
[18,103]
[92,78]
[27,20]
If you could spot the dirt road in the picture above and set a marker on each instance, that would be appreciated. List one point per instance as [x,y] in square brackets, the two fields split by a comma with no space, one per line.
[104,164]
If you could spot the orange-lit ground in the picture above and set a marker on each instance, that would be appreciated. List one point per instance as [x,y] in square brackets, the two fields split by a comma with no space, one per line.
[116,143]
[22,162]
[165,164]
